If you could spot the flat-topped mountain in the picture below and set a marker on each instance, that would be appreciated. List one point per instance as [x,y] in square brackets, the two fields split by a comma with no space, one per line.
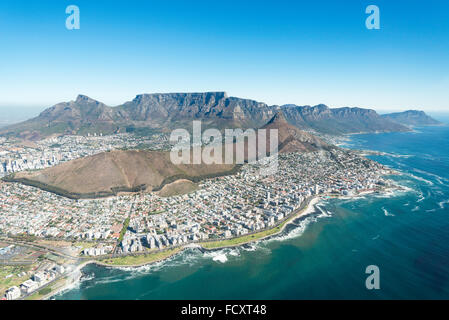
[412,118]
[164,111]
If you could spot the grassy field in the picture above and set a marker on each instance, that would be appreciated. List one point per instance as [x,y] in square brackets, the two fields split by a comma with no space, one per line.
[140,259]
[43,293]
[7,281]
[84,245]
[40,294]
[124,228]
[242,239]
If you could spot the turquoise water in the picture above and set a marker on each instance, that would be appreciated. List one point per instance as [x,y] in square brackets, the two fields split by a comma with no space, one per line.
[323,256]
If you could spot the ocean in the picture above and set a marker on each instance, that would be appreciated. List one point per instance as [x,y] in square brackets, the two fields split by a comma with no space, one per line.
[324,255]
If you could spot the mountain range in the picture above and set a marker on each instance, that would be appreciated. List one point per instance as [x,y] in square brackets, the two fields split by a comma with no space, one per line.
[165,111]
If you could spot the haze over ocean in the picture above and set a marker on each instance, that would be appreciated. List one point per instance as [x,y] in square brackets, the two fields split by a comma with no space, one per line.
[325,255]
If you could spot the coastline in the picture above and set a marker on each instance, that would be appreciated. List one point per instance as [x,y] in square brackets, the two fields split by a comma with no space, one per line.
[290,219]
[156,257]
[308,209]
[209,246]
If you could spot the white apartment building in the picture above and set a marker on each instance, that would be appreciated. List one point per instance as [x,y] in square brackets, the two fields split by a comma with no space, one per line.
[13,293]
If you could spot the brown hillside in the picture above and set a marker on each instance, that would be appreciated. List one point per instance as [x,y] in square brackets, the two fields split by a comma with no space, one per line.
[108,173]
[292,139]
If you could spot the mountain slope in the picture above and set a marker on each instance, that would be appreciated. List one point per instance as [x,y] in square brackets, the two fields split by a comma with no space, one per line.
[292,139]
[107,173]
[412,118]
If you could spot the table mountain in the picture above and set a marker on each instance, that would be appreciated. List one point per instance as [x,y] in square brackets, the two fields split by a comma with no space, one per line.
[165,111]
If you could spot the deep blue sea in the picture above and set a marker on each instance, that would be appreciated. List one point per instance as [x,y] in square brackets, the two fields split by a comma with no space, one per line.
[323,256]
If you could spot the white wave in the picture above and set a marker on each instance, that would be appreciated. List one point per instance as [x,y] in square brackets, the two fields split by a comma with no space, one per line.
[376,237]
[350,198]
[218,256]
[437,177]
[234,252]
[87,277]
[249,247]
[130,275]
[300,227]
[324,212]
[406,156]
[430,183]
[443,203]
[420,197]
[395,155]
[387,194]
[222,254]
[416,208]
[189,256]
[387,213]
[295,232]
[405,189]
[394,192]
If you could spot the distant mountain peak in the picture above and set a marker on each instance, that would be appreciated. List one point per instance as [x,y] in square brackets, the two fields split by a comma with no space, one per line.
[278,118]
[83,98]
[417,112]
[412,118]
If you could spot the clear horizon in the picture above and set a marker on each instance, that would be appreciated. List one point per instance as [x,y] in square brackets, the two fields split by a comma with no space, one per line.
[312,53]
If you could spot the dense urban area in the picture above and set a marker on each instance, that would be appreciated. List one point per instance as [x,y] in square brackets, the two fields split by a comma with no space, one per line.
[220,208]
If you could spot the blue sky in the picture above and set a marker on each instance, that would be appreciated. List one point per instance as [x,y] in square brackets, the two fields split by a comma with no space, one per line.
[302,52]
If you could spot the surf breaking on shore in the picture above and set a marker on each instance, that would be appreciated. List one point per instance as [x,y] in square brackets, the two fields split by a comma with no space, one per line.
[294,226]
